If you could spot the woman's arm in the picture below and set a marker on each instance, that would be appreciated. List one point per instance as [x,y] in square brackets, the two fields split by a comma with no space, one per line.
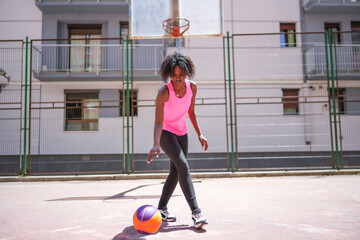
[193,118]
[162,97]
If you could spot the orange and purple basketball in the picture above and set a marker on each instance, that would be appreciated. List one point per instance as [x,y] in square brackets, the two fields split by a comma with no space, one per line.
[147,219]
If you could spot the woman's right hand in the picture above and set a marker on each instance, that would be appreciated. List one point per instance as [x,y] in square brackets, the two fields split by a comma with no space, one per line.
[154,150]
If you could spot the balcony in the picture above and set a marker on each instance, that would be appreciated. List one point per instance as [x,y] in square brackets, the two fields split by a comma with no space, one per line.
[332,6]
[94,62]
[346,61]
[83,6]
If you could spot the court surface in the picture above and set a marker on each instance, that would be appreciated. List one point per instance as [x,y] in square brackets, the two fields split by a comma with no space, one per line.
[291,207]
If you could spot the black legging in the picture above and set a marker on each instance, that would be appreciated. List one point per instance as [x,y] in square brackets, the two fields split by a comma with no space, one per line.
[176,147]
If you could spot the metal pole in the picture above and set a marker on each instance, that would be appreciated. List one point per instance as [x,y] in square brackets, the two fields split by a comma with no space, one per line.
[127,107]
[338,102]
[235,112]
[30,101]
[24,165]
[175,14]
[230,107]
[123,104]
[21,107]
[329,101]
[333,99]
[226,105]
[132,107]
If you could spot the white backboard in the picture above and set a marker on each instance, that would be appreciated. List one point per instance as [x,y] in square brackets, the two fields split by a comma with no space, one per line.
[147,16]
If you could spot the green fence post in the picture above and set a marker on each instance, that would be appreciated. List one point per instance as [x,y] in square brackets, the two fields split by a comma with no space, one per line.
[333,99]
[132,105]
[24,160]
[236,154]
[230,105]
[339,110]
[226,106]
[329,101]
[123,108]
[127,108]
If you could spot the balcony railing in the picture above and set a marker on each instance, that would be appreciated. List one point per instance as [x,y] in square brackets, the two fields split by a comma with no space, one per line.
[94,58]
[347,60]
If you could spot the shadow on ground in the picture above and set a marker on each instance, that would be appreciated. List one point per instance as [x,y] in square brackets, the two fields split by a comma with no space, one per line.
[129,233]
[166,227]
[119,196]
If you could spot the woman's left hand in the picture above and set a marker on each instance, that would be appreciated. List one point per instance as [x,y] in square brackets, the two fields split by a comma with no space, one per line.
[204,142]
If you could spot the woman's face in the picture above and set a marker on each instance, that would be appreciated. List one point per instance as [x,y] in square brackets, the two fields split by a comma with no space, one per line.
[178,76]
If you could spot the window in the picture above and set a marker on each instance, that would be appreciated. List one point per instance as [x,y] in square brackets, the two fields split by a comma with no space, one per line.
[133,103]
[335,29]
[82,110]
[339,100]
[287,35]
[85,53]
[291,101]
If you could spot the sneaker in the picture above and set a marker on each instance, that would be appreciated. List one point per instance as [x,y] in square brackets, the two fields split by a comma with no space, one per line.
[166,216]
[199,220]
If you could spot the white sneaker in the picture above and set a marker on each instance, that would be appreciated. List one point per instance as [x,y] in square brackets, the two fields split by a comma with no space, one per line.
[166,216]
[199,220]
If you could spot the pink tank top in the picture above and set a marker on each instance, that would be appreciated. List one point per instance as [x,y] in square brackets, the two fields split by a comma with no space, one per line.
[175,110]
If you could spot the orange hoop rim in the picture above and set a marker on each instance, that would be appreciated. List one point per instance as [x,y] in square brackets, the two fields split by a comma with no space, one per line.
[173,30]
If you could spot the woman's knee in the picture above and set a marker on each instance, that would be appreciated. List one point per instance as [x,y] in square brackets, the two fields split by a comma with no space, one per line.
[183,167]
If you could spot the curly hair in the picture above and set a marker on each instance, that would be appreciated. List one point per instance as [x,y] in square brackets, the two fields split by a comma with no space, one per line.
[177,59]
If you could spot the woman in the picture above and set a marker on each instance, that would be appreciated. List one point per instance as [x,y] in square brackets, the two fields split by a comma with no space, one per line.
[173,102]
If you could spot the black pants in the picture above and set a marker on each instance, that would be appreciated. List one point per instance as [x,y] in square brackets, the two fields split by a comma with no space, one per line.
[176,147]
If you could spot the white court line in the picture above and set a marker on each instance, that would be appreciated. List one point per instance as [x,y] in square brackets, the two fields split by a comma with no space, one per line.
[65,229]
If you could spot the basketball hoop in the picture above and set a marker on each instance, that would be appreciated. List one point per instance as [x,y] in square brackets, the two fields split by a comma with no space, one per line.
[176,27]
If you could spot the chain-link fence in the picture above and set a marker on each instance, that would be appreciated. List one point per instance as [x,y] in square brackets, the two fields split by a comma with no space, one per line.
[285,116]
[264,102]
[11,106]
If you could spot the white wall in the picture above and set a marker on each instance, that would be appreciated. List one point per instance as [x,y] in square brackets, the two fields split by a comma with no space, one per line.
[261,16]
[18,19]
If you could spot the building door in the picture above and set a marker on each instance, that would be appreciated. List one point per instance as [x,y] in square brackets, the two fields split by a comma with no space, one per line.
[85,49]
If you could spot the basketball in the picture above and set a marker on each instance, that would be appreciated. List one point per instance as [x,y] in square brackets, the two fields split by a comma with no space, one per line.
[147,219]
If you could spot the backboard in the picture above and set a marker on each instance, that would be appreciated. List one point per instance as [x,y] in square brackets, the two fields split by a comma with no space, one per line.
[205,17]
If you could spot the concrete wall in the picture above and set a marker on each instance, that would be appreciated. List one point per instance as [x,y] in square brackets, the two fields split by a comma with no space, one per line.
[18,19]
